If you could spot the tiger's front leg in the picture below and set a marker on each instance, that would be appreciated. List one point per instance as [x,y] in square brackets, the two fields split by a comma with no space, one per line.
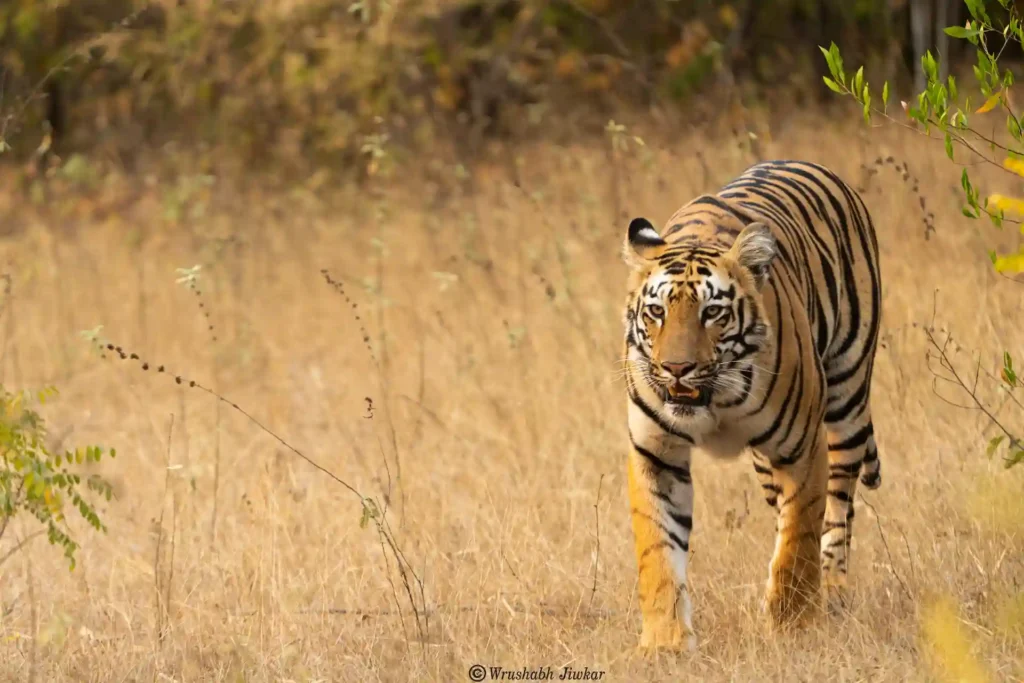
[794,578]
[661,505]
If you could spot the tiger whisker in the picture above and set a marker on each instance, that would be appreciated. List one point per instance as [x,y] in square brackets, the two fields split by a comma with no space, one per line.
[729,364]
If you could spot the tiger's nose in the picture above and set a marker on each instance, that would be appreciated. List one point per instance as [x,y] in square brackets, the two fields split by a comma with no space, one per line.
[677,370]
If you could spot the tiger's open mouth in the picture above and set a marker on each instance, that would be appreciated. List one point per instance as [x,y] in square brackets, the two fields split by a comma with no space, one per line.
[678,394]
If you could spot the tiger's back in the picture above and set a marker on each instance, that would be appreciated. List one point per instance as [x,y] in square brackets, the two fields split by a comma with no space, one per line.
[830,241]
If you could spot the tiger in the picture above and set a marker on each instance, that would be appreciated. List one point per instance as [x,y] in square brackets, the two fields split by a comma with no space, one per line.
[751,324]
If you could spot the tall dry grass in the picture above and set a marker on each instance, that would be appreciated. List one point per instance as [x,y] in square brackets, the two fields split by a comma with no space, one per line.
[492,303]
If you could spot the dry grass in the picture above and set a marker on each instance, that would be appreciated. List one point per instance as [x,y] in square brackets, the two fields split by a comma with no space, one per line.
[495,317]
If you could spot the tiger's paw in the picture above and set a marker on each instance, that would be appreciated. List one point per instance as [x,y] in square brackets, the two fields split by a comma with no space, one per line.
[788,602]
[667,636]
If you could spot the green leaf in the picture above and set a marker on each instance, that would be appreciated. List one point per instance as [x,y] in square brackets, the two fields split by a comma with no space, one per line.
[369,512]
[929,65]
[1013,127]
[1014,459]
[993,445]
[858,81]
[885,95]
[977,10]
[949,146]
[832,85]
[829,60]
[961,32]
[837,59]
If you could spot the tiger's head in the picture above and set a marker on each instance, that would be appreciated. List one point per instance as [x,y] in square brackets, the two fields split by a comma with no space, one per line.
[695,318]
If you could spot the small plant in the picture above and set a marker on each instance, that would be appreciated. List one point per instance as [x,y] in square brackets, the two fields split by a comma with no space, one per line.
[189,278]
[36,481]
[374,151]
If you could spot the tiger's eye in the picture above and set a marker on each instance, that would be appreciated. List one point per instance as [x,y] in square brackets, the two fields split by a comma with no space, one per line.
[712,311]
[656,310]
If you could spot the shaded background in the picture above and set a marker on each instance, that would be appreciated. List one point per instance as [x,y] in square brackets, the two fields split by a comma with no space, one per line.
[305,81]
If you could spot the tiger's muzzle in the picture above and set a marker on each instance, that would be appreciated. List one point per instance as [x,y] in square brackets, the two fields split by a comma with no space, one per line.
[687,395]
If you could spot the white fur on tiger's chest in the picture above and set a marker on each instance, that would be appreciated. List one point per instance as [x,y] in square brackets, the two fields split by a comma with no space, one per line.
[724,444]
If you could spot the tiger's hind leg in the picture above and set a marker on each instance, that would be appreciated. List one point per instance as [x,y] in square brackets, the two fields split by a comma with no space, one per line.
[851,452]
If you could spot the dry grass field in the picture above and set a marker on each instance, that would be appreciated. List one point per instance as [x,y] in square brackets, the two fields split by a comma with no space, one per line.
[496,431]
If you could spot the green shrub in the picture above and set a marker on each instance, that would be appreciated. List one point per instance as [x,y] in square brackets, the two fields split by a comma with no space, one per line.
[42,484]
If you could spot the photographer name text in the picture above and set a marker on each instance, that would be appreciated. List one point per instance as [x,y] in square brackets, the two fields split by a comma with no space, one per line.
[543,673]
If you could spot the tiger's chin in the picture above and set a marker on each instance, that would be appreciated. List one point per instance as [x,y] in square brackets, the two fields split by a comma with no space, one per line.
[698,419]
[687,407]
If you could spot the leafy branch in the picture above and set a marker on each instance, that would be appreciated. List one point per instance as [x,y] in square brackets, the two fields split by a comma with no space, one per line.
[44,484]
[936,109]
[1008,379]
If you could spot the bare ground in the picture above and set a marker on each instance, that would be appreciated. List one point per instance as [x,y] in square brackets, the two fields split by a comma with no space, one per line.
[497,427]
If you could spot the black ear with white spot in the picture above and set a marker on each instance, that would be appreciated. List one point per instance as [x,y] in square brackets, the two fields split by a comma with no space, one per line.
[642,240]
[755,249]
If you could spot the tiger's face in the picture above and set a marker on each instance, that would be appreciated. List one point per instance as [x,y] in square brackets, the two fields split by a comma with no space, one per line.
[695,319]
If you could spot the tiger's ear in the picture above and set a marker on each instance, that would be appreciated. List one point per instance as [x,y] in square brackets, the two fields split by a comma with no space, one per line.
[642,243]
[755,249]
